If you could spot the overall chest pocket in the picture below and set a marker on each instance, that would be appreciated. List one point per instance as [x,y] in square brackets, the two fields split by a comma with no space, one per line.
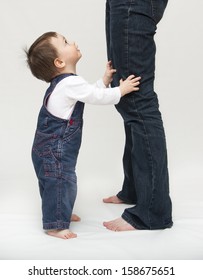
[73,131]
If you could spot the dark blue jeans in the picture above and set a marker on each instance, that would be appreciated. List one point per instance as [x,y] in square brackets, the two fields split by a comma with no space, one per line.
[130,30]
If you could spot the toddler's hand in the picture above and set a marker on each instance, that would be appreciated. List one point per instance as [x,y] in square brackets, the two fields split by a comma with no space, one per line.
[108,75]
[129,85]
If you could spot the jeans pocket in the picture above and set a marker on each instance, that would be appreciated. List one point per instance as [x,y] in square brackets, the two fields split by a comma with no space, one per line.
[45,147]
[42,141]
[52,166]
[158,8]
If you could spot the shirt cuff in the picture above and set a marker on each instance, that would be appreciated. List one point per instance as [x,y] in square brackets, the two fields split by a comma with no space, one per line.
[116,90]
[118,94]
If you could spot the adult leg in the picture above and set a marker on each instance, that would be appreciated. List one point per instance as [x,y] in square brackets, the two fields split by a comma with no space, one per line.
[131,47]
[128,194]
[117,11]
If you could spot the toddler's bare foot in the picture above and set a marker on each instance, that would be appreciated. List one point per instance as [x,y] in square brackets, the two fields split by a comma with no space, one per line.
[64,233]
[75,218]
[118,225]
[113,199]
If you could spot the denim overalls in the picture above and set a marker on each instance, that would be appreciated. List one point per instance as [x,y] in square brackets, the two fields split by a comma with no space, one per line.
[54,155]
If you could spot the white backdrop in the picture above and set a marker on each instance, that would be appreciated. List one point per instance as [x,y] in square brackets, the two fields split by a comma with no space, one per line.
[178,84]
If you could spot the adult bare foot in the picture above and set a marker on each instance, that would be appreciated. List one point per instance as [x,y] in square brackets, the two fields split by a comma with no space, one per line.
[75,218]
[113,199]
[64,234]
[118,225]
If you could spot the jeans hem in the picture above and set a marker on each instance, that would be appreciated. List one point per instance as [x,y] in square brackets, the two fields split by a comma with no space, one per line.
[56,225]
[128,220]
[139,227]
[126,201]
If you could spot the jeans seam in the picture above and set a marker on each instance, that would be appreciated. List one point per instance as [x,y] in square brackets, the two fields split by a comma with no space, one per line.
[127,38]
[152,8]
[59,202]
[152,173]
[126,52]
[151,162]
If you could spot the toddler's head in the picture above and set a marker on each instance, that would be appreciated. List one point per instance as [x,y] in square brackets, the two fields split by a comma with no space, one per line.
[50,55]
[41,56]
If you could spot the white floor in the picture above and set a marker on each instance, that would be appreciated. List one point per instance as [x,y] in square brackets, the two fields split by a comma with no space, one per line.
[21,236]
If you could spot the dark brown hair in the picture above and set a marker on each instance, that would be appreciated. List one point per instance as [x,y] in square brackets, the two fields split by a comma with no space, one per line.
[41,56]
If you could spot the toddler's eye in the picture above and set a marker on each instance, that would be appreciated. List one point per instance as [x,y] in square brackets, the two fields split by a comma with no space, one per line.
[66,42]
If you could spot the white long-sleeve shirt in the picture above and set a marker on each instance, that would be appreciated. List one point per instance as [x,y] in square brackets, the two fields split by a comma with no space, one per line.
[74,88]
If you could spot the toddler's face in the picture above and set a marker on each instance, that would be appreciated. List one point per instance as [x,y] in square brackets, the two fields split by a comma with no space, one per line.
[67,51]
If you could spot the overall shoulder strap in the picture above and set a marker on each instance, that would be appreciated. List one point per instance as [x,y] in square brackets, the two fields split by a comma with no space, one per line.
[53,84]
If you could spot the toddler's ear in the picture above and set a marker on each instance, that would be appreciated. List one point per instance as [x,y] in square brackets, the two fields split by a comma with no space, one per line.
[59,63]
